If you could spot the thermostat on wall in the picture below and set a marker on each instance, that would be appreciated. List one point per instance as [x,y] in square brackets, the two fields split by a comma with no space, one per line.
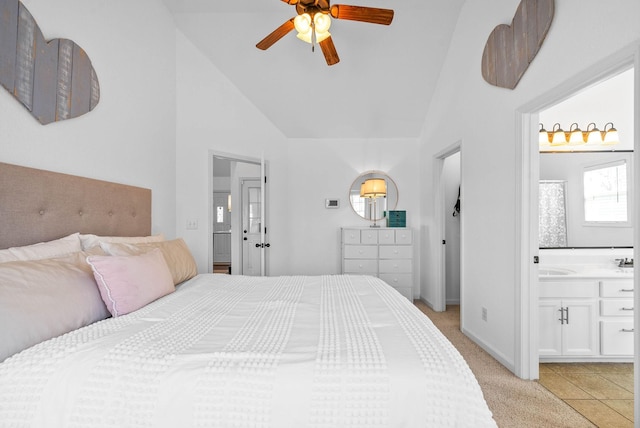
[332,203]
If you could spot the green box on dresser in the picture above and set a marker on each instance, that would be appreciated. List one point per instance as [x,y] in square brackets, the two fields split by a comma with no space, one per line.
[397,219]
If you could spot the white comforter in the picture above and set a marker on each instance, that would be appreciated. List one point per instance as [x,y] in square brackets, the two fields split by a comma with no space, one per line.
[232,351]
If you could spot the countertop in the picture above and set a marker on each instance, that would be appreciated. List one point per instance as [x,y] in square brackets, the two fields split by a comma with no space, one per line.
[584,271]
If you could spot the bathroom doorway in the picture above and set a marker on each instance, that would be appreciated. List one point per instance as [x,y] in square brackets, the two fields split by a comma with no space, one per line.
[527,125]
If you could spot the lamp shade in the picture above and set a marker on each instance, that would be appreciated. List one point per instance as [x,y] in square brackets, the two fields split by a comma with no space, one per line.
[594,136]
[373,188]
[611,134]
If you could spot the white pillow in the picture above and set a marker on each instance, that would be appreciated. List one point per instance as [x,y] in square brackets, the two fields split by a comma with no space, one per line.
[7,256]
[41,299]
[43,250]
[89,241]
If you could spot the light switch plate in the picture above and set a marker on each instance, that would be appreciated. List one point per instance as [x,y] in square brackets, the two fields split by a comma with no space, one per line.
[192,224]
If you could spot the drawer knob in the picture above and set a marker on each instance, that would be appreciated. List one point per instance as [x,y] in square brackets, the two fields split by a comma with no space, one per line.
[626,309]
[627,330]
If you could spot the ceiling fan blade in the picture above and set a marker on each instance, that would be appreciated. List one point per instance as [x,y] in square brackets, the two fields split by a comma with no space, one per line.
[276,35]
[329,51]
[363,14]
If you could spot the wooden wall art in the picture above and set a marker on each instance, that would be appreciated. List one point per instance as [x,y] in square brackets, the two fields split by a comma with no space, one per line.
[54,80]
[511,48]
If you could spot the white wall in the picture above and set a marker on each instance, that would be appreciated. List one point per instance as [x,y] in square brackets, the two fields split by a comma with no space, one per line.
[304,236]
[466,108]
[129,136]
[212,115]
[320,169]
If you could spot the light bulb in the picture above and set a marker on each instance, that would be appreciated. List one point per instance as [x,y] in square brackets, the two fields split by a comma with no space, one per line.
[322,22]
[302,23]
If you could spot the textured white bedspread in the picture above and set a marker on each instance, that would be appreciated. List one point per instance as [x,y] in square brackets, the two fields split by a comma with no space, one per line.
[231,351]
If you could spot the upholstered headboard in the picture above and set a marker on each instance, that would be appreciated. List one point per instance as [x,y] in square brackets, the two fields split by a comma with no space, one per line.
[38,205]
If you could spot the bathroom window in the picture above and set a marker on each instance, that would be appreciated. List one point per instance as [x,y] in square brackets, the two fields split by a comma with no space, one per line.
[606,193]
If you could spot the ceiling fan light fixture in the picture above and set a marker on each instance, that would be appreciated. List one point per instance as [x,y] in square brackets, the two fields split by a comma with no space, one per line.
[321,23]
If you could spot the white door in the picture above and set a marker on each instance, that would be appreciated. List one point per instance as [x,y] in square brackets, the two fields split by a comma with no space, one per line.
[253,228]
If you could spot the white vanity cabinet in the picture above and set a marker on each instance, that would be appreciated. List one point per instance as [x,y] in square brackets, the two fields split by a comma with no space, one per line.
[585,319]
[383,252]
[568,319]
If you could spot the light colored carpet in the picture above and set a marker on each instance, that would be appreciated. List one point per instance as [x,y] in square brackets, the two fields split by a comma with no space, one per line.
[514,402]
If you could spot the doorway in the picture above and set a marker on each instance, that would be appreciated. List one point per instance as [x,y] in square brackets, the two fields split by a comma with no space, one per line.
[527,320]
[237,207]
[449,215]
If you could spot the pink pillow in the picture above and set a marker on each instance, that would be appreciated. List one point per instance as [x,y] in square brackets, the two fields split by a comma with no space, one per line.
[128,283]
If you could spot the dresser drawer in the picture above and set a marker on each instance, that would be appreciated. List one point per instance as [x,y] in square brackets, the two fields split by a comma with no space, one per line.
[396,252]
[396,265]
[616,308]
[350,236]
[387,237]
[616,288]
[406,292]
[397,280]
[361,266]
[616,337]
[403,237]
[368,236]
[360,252]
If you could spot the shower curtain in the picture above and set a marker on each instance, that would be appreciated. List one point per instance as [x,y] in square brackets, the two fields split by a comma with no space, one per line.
[552,214]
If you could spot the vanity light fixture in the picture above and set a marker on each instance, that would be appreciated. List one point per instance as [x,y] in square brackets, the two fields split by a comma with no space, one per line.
[373,188]
[575,136]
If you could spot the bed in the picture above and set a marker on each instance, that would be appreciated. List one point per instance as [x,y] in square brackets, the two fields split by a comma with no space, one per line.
[228,350]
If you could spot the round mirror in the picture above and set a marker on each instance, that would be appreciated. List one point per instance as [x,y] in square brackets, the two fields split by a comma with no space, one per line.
[372,194]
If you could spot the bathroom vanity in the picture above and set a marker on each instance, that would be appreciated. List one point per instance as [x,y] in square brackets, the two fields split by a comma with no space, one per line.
[585,311]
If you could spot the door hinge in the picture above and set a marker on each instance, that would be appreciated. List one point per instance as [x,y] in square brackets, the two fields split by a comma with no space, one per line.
[444,242]
[265,179]
[536,259]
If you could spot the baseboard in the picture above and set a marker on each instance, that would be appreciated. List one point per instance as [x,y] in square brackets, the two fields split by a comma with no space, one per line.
[501,358]
[453,301]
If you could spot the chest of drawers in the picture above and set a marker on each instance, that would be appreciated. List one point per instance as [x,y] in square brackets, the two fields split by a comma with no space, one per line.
[385,252]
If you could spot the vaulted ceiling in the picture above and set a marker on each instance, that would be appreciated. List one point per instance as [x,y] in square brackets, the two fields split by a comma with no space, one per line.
[380,88]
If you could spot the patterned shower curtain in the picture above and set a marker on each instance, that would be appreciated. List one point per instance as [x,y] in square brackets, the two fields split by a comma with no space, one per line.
[552,214]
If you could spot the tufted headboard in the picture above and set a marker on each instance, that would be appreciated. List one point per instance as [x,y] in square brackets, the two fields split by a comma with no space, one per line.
[38,205]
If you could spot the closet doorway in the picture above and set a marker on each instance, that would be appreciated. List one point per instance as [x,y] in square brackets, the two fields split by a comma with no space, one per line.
[449,213]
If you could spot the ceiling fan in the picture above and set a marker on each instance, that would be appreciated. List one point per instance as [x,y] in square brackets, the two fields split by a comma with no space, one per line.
[314,19]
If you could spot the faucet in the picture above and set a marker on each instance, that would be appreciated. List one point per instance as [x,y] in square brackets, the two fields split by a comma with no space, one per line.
[625,262]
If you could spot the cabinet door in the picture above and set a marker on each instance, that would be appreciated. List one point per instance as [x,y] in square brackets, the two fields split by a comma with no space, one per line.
[550,333]
[580,330]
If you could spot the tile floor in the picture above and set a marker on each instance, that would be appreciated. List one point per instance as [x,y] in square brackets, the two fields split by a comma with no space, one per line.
[601,392]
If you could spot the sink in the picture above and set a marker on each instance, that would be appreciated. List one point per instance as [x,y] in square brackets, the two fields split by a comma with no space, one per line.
[555,271]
